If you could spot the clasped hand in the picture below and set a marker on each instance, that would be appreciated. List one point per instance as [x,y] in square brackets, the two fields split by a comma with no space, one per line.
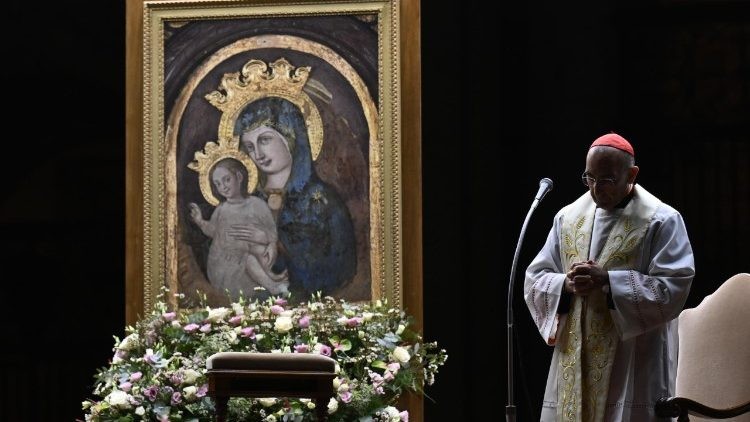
[584,277]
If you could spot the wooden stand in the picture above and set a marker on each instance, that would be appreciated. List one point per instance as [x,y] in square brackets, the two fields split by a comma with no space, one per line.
[236,374]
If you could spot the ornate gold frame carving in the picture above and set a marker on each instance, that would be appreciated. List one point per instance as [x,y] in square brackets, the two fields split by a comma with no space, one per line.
[151,188]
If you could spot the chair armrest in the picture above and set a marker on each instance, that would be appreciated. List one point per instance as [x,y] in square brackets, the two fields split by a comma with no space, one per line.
[679,407]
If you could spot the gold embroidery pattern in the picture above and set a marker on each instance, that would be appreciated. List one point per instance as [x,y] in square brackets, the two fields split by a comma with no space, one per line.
[574,239]
[599,350]
[621,245]
[570,378]
[585,365]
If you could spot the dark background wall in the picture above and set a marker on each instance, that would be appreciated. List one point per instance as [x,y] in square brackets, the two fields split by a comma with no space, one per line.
[509,98]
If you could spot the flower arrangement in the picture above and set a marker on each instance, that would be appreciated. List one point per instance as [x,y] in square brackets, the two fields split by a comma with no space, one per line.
[158,370]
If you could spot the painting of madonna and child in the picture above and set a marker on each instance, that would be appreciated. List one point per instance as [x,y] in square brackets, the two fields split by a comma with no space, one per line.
[272,169]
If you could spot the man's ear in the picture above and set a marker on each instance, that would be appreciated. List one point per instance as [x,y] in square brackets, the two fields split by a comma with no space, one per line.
[632,173]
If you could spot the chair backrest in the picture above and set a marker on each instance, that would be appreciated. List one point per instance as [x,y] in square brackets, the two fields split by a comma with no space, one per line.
[714,355]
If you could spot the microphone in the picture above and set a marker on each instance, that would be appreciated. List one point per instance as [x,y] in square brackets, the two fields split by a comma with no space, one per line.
[545,185]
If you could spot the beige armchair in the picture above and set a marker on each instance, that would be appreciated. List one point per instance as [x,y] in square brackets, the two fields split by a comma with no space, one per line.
[713,370]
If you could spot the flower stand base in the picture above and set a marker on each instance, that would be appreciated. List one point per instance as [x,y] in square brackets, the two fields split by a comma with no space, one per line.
[245,374]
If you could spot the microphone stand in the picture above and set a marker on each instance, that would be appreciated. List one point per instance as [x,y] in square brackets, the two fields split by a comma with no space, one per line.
[545,185]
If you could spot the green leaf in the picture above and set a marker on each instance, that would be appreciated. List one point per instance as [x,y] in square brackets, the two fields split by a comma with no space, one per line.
[379,364]
[345,345]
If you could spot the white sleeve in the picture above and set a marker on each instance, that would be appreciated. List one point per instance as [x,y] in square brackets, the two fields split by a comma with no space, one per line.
[543,285]
[646,300]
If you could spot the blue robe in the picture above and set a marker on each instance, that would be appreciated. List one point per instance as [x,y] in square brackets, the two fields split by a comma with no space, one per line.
[316,234]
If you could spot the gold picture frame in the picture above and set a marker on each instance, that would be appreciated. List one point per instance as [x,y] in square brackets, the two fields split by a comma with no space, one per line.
[352,68]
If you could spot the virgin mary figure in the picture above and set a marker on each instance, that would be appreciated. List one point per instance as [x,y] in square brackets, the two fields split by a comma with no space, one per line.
[315,233]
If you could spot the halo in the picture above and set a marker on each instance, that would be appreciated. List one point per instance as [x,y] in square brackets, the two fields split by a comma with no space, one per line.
[256,80]
[213,153]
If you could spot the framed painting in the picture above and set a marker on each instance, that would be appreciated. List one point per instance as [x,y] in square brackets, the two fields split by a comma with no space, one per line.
[273,147]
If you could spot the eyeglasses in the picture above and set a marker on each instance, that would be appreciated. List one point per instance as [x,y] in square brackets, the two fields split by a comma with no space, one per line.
[589,180]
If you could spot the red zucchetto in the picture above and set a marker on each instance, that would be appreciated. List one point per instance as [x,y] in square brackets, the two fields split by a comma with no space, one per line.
[615,141]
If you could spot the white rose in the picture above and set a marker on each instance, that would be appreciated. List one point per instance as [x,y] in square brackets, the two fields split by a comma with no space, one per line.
[270,418]
[400,329]
[118,399]
[401,354]
[129,343]
[176,324]
[190,392]
[288,313]
[310,405]
[189,376]
[283,324]
[237,308]
[336,383]
[392,414]
[217,314]
[333,406]
[140,411]
[267,401]
[367,315]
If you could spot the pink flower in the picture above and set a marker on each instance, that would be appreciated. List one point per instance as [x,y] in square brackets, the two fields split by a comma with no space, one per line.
[322,349]
[202,390]
[190,328]
[206,328]
[404,416]
[301,348]
[304,322]
[280,301]
[126,386]
[151,357]
[176,398]
[394,367]
[248,332]
[151,392]
[235,320]
[276,309]
[169,316]
[345,396]
[135,376]
[354,321]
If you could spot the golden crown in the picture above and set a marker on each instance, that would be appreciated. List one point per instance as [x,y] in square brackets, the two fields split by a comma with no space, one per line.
[256,80]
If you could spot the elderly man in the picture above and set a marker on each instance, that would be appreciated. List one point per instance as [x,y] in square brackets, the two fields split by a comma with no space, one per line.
[605,289]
